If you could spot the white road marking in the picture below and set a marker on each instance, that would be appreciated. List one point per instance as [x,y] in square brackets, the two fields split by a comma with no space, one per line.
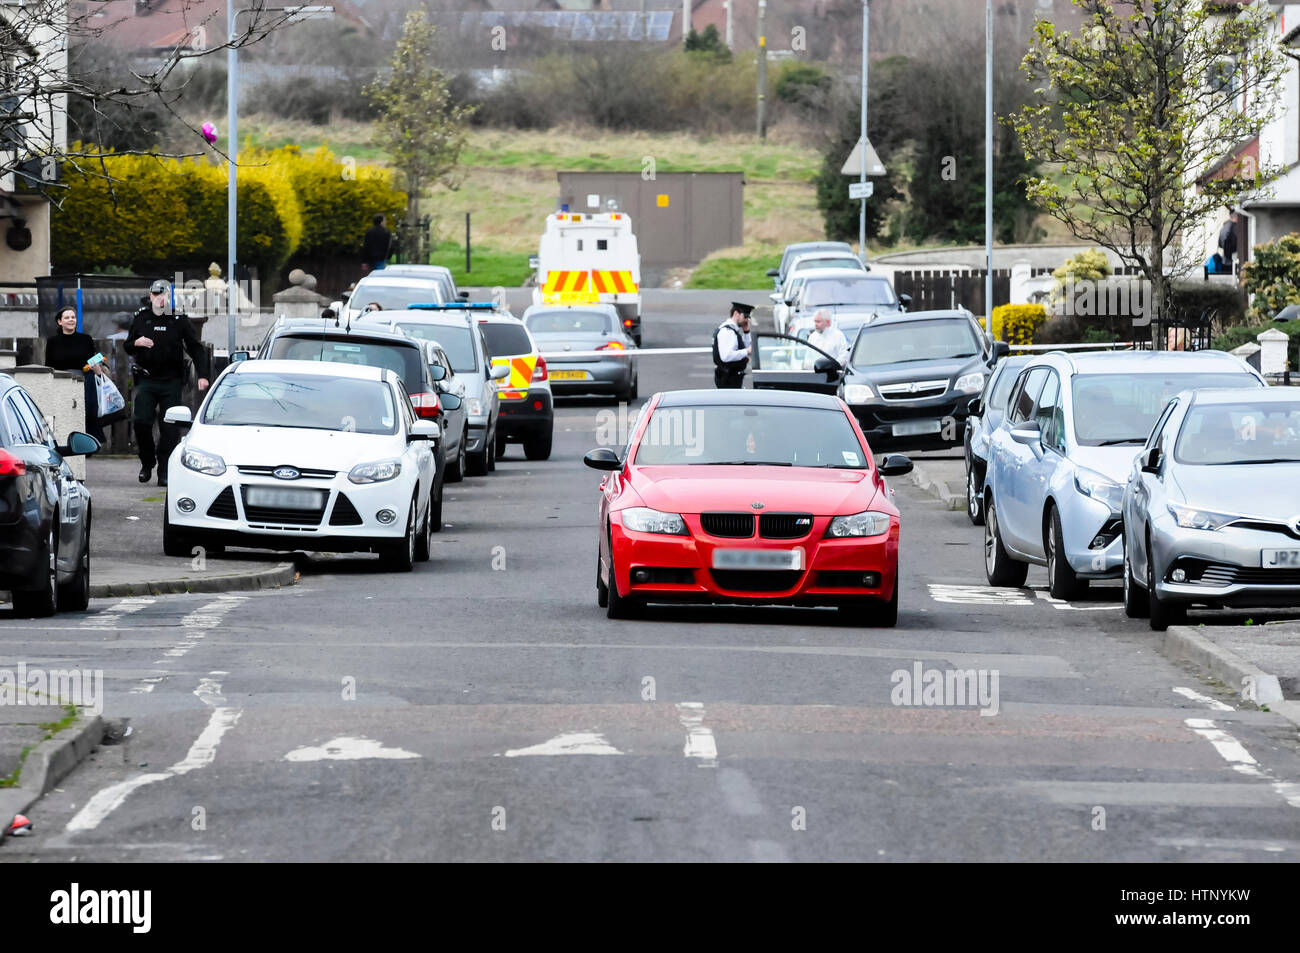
[580,742]
[113,614]
[147,685]
[1229,748]
[1066,604]
[1203,699]
[348,749]
[978,595]
[700,742]
[201,754]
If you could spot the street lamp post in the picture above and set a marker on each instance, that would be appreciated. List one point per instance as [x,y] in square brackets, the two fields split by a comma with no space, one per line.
[862,134]
[293,14]
[988,167]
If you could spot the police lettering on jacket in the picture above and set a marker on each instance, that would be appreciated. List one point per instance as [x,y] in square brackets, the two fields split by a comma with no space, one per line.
[172,336]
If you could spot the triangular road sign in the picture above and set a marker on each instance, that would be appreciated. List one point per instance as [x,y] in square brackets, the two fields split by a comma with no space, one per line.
[853,164]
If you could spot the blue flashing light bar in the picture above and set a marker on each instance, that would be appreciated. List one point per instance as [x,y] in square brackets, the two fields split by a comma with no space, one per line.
[452,306]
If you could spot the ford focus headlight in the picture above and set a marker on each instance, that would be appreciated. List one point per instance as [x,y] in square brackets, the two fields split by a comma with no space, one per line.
[858,394]
[376,472]
[869,523]
[642,519]
[1191,517]
[1101,488]
[201,462]
[969,383]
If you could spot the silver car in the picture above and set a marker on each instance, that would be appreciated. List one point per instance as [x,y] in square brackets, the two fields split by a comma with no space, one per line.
[1211,513]
[986,412]
[1059,460]
[588,329]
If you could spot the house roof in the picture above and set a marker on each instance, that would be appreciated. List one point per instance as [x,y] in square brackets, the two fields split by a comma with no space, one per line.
[604,25]
[166,24]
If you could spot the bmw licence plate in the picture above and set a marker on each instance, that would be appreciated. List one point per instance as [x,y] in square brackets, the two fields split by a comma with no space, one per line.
[1279,558]
[758,559]
[284,499]
[914,427]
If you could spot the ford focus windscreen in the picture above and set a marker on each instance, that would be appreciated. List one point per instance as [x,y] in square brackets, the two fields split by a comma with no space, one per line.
[308,401]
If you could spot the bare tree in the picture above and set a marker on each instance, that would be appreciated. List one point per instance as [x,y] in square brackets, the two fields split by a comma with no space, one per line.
[37,89]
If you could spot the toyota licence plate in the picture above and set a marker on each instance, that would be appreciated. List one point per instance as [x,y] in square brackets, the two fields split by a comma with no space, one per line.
[914,427]
[569,375]
[1279,558]
[284,499]
[758,559]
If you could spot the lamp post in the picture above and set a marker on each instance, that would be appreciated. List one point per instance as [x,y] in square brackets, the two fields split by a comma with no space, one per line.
[862,134]
[988,167]
[293,14]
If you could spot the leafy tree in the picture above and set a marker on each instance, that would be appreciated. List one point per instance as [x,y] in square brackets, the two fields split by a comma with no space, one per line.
[1273,277]
[420,125]
[708,42]
[1136,110]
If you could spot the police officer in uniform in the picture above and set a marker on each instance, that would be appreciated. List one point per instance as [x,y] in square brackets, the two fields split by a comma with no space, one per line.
[157,342]
[731,348]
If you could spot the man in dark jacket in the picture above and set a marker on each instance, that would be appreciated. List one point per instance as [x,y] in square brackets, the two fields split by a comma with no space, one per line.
[157,342]
[377,246]
[1228,242]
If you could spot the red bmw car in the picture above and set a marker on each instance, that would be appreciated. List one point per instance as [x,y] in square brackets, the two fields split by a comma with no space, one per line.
[742,496]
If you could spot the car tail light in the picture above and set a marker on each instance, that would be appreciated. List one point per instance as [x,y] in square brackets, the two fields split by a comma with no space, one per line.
[426,405]
[539,372]
[11,465]
[611,346]
[537,405]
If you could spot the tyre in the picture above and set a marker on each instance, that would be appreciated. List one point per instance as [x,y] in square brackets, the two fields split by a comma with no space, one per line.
[1062,583]
[538,446]
[1163,612]
[435,513]
[175,543]
[501,445]
[456,469]
[619,607]
[1136,604]
[999,567]
[400,557]
[974,494]
[602,590]
[873,615]
[492,457]
[422,540]
[39,603]
[75,596]
[636,384]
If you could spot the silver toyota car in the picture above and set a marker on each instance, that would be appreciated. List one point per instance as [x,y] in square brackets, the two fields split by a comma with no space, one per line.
[1211,512]
[1059,459]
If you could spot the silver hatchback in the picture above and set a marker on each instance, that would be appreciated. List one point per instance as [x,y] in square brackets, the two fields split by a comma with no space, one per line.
[1211,512]
[1059,459]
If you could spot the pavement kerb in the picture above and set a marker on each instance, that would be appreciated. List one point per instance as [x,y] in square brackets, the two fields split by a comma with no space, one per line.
[1184,643]
[49,763]
[937,488]
[284,574]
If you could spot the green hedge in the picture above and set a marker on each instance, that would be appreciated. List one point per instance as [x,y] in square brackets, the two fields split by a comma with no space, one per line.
[155,215]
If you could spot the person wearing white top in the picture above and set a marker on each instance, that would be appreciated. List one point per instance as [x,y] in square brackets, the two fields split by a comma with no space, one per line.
[731,347]
[828,338]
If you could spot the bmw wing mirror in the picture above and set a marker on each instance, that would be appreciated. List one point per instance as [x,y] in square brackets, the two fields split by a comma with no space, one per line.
[897,464]
[602,458]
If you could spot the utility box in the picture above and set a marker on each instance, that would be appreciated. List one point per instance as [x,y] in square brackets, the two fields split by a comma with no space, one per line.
[678,217]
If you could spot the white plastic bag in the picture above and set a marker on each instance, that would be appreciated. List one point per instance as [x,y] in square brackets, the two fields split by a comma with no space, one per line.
[111,400]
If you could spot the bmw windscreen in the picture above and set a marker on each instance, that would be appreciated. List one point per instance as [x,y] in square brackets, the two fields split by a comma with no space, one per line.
[454,340]
[831,292]
[309,401]
[936,340]
[406,360]
[1114,409]
[750,436]
[1231,434]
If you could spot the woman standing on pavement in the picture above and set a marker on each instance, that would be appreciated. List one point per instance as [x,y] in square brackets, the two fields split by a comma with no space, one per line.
[69,350]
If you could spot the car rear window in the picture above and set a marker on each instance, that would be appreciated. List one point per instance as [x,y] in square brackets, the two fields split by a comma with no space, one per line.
[454,340]
[405,359]
[568,322]
[392,297]
[506,338]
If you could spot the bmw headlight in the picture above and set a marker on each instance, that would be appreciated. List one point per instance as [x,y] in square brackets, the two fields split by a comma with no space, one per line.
[642,519]
[969,383]
[474,407]
[858,394]
[1101,488]
[208,463]
[1191,517]
[376,472]
[869,523]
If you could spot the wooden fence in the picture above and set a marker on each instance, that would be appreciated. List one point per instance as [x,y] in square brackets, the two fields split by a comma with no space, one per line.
[934,289]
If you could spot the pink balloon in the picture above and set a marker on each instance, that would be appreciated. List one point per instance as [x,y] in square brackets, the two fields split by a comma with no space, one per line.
[209,132]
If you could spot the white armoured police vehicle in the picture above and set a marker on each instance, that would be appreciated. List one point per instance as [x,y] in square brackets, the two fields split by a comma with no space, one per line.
[585,258]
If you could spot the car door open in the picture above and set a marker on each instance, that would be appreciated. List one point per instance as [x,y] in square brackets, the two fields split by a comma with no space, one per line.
[784,362]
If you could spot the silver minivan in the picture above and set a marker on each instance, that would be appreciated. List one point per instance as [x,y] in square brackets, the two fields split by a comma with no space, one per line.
[1060,458]
[457,333]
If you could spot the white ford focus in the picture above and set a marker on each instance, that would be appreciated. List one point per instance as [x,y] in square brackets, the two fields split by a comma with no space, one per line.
[303,455]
